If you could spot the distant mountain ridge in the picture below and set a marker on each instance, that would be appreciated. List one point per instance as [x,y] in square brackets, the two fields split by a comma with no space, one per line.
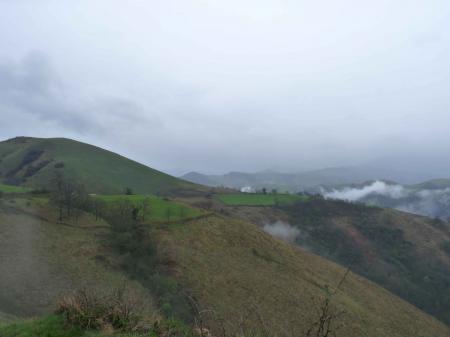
[312,180]
[292,182]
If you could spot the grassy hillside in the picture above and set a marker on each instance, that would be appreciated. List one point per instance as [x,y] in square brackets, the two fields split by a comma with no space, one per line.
[228,267]
[407,254]
[32,162]
[242,276]
[41,259]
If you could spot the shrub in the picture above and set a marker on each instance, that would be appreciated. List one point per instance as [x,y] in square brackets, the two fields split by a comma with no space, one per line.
[89,309]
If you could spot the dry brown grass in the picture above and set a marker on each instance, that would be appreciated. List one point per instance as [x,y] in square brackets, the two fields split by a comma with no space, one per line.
[241,276]
[119,309]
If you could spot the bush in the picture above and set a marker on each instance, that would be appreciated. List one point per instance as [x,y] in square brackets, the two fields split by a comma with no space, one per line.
[87,309]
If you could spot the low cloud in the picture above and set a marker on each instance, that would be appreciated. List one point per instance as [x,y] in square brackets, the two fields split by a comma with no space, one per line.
[282,230]
[377,187]
[427,202]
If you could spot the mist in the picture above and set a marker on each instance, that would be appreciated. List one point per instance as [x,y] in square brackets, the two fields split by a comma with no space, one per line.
[283,231]
[218,86]
[412,199]
[377,187]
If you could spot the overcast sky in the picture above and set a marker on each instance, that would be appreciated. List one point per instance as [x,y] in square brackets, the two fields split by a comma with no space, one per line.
[227,85]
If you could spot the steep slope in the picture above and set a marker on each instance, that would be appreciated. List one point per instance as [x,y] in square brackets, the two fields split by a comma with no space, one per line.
[407,254]
[40,259]
[233,270]
[243,277]
[32,162]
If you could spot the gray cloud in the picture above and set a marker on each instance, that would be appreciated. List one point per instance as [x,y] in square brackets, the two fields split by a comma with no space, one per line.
[31,87]
[230,85]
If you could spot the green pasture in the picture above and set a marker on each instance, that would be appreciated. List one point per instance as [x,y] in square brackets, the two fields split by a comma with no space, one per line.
[259,199]
[159,209]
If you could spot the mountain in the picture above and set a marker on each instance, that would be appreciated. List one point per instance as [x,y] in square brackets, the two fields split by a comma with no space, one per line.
[235,272]
[32,162]
[399,169]
[293,182]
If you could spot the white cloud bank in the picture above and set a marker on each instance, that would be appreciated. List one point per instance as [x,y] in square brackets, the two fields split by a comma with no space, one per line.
[377,187]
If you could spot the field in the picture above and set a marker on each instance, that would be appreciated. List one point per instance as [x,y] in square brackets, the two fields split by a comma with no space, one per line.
[159,209]
[256,199]
[13,189]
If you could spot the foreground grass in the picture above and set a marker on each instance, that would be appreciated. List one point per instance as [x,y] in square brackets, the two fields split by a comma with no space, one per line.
[257,199]
[57,326]
[158,209]
[51,326]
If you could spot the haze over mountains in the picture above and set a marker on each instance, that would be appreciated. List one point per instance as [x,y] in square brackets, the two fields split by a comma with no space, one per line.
[368,184]
[224,168]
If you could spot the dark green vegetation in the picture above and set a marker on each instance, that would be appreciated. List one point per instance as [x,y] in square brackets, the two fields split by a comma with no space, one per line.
[404,253]
[260,199]
[32,162]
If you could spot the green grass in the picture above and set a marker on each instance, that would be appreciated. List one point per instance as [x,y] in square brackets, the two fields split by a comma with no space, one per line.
[255,199]
[13,189]
[99,170]
[51,326]
[158,209]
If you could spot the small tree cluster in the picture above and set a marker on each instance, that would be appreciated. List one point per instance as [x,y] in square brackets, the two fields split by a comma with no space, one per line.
[69,197]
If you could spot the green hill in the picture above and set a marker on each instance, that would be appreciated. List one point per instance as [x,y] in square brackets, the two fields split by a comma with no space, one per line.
[32,162]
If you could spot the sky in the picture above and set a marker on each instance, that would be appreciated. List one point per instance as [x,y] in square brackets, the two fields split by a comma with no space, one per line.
[215,86]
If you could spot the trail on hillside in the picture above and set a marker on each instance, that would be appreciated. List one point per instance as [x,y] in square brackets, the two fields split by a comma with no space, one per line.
[27,279]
